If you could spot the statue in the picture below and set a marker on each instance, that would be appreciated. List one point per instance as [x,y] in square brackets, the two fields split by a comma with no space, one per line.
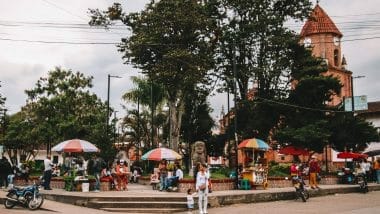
[198,152]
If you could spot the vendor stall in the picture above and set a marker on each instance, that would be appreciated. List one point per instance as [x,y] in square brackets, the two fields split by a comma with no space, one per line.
[253,161]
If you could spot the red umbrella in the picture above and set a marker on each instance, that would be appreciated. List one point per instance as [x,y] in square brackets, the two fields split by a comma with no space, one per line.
[75,145]
[291,150]
[345,155]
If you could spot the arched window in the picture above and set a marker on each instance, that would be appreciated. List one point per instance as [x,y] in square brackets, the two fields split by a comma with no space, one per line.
[336,57]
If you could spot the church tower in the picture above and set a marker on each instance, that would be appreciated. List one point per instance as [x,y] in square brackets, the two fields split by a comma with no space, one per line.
[321,35]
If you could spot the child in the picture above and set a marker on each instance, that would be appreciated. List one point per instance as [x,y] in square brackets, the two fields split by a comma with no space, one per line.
[190,200]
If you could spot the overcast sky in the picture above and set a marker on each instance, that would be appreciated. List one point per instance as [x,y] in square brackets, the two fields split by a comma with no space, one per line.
[23,60]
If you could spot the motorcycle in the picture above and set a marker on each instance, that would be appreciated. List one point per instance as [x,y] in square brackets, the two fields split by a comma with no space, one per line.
[28,196]
[361,180]
[301,191]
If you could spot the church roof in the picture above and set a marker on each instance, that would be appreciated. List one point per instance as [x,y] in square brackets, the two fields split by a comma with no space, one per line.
[319,22]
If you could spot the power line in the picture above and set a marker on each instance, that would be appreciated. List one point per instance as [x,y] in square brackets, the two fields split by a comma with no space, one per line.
[60,42]
[63,9]
[300,107]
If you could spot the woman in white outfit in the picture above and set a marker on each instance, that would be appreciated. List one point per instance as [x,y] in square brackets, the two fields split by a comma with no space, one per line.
[202,188]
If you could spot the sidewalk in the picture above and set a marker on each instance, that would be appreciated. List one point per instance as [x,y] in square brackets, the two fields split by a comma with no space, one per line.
[144,194]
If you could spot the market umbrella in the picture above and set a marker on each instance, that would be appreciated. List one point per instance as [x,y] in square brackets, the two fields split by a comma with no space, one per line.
[254,143]
[373,149]
[75,145]
[291,150]
[345,155]
[161,153]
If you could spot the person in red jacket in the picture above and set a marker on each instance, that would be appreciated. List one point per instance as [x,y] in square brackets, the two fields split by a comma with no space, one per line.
[314,169]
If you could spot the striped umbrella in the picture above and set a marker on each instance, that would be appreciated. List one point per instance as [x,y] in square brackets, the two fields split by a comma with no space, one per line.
[254,143]
[161,153]
[75,145]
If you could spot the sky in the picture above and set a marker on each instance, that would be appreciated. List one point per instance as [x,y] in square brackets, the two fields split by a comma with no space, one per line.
[59,26]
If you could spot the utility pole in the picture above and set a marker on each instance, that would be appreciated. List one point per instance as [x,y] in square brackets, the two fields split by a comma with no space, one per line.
[108,101]
[235,116]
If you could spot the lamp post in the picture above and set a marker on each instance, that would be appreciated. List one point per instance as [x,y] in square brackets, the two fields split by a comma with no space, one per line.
[108,101]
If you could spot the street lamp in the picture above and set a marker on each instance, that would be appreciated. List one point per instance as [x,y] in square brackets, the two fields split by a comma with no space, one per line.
[352,92]
[108,101]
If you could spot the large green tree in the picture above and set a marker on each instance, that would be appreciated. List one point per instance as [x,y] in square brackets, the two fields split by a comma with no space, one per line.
[255,49]
[61,107]
[172,42]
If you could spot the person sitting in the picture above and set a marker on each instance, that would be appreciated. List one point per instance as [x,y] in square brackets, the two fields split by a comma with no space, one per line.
[24,172]
[136,174]
[106,175]
[154,178]
[56,171]
[173,180]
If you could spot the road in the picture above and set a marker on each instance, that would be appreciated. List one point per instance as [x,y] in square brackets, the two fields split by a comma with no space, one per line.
[354,203]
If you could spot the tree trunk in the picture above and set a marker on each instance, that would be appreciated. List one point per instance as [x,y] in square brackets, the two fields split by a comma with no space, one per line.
[176,111]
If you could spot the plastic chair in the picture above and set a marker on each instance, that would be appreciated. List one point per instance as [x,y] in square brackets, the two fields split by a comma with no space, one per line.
[244,184]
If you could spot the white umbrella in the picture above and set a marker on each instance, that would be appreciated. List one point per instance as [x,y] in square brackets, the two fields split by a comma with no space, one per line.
[75,145]
[373,149]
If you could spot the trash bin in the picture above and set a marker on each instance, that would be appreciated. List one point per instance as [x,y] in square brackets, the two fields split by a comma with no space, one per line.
[85,187]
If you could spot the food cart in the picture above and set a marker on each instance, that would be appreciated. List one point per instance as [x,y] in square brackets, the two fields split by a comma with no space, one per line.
[253,161]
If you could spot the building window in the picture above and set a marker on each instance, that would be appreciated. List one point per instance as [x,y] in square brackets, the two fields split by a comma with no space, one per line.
[336,57]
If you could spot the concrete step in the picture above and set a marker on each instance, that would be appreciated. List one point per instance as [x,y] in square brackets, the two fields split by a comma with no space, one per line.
[136,204]
[141,198]
[144,210]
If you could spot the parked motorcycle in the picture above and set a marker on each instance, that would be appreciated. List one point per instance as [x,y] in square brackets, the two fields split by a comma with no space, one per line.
[28,196]
[361,180]
[301,191]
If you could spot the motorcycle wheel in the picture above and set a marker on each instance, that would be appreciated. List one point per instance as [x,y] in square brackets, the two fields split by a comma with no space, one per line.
[9,204]
[364,188]
[36,203]
[303,196]
[306,193]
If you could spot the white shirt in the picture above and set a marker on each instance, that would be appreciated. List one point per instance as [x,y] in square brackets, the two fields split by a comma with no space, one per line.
[179,174]
[47,164]
[190,199]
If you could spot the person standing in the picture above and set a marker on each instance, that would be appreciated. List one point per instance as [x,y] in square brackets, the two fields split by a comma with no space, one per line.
[47,172]
[97,163]
[5,170]
[122,175]
[314,169]
[190,200]
[163,167]
[376,167]
[202,188]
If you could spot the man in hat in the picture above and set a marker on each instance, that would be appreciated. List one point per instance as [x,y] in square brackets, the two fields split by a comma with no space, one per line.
[314,169]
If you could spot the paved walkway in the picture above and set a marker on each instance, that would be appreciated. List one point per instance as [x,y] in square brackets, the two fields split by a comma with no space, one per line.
[220,197]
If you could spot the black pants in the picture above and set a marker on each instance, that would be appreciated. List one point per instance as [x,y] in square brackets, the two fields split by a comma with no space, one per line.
[3,180]
[47,178]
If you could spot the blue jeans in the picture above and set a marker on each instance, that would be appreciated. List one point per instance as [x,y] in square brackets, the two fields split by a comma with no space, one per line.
[97,180]
[378,176]
[163,181]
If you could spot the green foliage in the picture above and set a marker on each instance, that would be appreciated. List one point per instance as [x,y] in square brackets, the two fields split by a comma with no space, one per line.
[60,107]
[279,170]
[172,42]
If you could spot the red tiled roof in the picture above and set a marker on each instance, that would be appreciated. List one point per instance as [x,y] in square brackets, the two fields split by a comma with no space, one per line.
[319,22]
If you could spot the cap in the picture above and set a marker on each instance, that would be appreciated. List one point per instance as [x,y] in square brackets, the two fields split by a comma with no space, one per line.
[121,161]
